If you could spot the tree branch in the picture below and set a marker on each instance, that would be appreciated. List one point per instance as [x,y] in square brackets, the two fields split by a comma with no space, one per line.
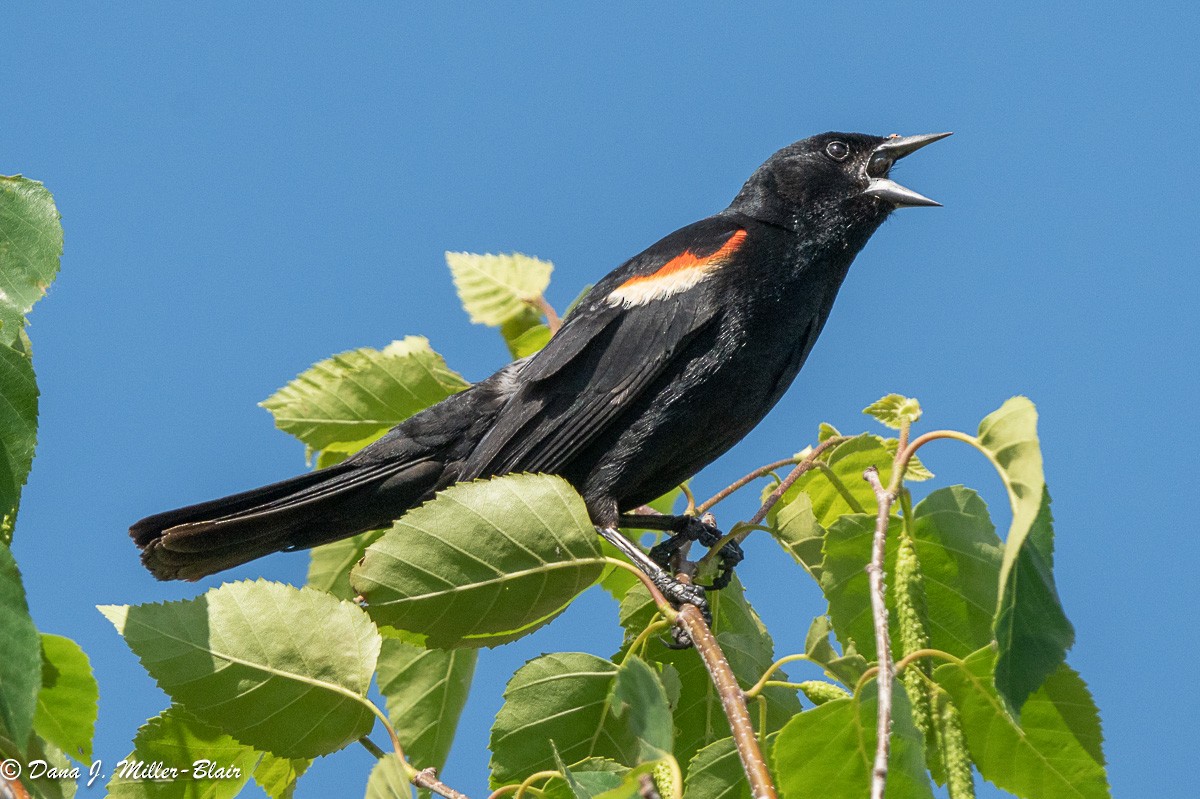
[427,779]
[732,701]
[883,726]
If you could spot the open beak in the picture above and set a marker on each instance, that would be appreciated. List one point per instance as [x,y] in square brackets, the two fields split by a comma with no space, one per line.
[896,148]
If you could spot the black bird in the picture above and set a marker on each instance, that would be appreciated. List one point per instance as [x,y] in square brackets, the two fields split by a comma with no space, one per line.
[666,363]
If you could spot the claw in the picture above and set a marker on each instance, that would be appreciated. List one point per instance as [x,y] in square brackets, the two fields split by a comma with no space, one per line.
[730,556]
[704,531]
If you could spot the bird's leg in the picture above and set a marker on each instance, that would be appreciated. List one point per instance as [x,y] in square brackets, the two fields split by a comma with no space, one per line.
[685,529]
[677,593]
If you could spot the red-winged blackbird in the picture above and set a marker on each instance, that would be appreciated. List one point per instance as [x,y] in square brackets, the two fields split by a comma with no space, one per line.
[666,363]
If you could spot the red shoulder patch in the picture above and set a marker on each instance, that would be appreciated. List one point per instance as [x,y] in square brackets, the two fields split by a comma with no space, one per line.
[678,274]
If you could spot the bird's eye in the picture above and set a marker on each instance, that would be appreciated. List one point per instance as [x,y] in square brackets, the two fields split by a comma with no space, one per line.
[837,150]
[878,166]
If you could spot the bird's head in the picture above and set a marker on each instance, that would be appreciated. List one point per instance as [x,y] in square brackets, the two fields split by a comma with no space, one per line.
[833,176]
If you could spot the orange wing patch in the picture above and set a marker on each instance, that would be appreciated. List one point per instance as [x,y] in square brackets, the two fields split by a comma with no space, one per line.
[678,274]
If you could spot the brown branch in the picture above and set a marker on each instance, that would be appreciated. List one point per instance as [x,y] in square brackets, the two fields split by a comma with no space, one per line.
[887,672]
[732,701]
[427,779]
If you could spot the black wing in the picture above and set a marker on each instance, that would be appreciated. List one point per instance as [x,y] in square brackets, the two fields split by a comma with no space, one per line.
[628,329]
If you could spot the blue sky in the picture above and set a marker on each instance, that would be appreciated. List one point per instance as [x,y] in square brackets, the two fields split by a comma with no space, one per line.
[246,191]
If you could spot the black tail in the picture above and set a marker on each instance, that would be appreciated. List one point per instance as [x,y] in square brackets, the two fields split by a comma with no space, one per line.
[368,491]
[314,508]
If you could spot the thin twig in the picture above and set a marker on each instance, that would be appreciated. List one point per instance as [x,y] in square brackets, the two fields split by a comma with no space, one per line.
[905,453]
[794,475]
[424,778]
[370,746]
[690,510]
[552,319]
[883,725]
[742,482]
[904,662]
[743,529]
[769,673]
[732,701]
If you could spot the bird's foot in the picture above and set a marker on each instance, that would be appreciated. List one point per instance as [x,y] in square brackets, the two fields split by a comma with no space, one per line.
[705,532]
[675,591]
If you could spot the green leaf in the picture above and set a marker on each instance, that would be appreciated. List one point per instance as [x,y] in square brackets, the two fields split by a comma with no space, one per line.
[351,399]
[425,690]
[389,779]
[699,718]
[845,583]
[483,563]
[826,431]
[525,333]
[630,786]
[496,288]
[20,667]
[529,342]
[47,786]
[18,432]
[31,243]
[583,292]
[1055,750]
[716,771]
[176,740]
[1031,628]
[829,751]
[846,667]
[284,670]
[584,780]
[797,531]
[960,555]
[277,776]
[67,702]
[329,565]
[894,410]
[841,489]
[640,700]
[565,698]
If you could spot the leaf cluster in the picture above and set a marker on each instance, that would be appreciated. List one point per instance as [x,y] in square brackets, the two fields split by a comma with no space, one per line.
[48,694]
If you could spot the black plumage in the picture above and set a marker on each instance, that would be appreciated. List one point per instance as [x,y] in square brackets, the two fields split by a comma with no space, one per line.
[665,364]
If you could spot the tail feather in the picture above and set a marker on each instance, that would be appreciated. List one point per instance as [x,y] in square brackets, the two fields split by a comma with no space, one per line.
[304,511]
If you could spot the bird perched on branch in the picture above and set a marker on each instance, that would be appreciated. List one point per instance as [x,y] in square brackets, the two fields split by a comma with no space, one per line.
[666,363]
